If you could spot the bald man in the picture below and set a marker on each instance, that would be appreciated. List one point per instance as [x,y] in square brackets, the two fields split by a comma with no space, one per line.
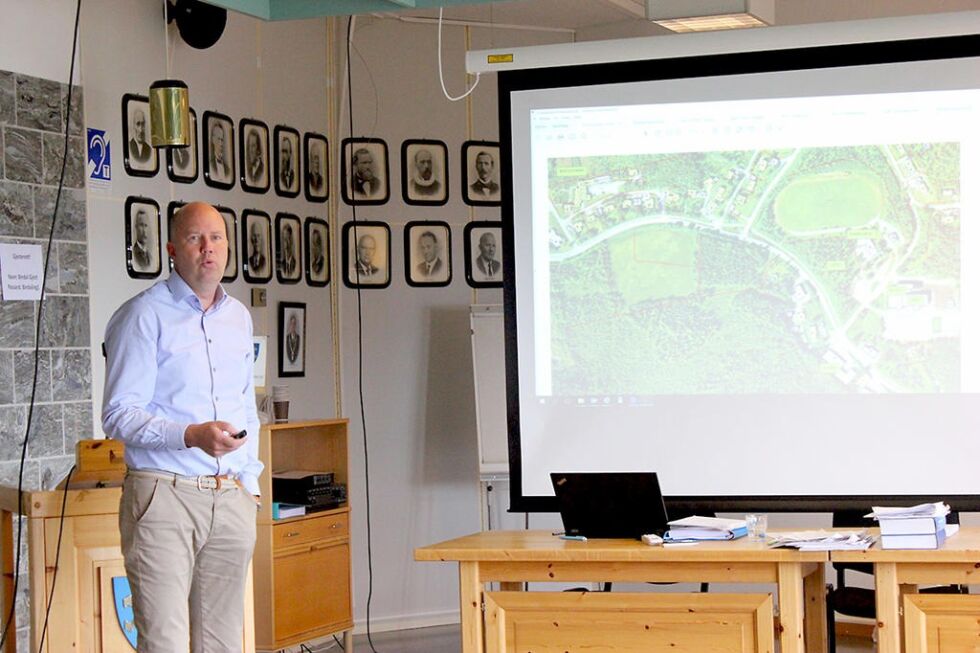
[179,393]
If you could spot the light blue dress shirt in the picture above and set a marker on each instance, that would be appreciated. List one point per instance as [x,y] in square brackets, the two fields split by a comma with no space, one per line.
[170,364]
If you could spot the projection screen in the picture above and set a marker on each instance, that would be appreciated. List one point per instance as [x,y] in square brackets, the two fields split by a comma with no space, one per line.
[753,273]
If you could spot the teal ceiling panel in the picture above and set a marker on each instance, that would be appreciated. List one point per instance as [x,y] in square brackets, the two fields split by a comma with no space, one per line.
[257,8]
[294,9]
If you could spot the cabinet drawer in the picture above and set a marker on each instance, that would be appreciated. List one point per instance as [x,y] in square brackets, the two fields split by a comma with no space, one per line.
[312,591]
[309,530]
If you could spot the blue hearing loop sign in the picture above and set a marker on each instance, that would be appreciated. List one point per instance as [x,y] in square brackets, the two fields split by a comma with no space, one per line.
[99,164]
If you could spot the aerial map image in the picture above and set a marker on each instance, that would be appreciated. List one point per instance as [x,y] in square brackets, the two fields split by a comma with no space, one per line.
[807,270]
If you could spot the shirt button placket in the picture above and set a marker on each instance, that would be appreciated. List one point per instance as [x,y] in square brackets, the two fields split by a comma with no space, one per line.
[211,364]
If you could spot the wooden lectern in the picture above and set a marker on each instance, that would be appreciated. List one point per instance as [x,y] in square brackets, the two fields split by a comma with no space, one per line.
[83,614]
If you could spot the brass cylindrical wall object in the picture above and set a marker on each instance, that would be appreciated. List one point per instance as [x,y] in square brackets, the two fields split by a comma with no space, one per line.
[170,120]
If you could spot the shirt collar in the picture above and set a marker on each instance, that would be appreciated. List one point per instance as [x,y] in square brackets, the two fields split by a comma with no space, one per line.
[183,293]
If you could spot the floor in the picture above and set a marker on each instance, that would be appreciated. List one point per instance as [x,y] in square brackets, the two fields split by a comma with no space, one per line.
[446,639]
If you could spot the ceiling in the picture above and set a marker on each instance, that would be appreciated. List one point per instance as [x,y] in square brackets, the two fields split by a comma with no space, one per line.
[584,20]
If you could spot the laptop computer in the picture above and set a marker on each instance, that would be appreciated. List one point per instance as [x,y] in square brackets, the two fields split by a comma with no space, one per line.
[610,504]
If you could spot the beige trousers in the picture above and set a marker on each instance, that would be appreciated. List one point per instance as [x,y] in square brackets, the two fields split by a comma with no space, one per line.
[187,552]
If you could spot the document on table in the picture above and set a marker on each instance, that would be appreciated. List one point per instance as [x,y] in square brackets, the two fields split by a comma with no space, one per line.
[821,540]
[937,509]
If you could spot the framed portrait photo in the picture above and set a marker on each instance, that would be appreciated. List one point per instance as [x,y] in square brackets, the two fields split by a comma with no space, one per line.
[256,250]
[253,155]
[143,260]
[139,158]
[218,138]
[481,174]
[182,161]
[364,170]
[289,266]
[287,161]
[292,339]
[425,169]
[428,253]
[231,234]
[316,183]
[316,244]
[481,244]
[367,254]
[172,209]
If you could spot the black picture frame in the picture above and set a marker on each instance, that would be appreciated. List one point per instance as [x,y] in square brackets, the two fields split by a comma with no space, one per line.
[316,252]
[416,188]
[257,261]
[477,273]
[316,164]
[253,161]
[424,237]
[172,209]
[376,189]
[231,235]
[182,162]
[471,155]
[140,159]
[292,339]
[219,172]
[287,168]
[379,263]
[289,260]
[143,259]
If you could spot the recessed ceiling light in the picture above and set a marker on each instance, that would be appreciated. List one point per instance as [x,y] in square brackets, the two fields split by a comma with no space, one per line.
[711,23]
[709,15]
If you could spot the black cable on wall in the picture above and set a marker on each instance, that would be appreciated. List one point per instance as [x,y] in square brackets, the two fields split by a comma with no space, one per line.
[360,355]
[9,623]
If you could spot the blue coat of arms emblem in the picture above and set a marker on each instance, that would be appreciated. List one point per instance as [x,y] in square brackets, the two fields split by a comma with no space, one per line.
[124,608]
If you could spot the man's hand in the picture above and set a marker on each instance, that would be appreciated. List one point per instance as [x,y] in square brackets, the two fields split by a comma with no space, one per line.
[214,438]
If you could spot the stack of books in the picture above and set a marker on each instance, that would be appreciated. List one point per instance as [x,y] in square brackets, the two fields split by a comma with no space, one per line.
[918,527]
[696,529]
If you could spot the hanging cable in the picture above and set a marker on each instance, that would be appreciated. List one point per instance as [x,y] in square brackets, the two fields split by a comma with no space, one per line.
[10,622]
[442,81]
[360,356]
[57,559]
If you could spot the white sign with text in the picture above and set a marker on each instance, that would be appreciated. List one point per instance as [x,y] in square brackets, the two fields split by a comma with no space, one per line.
[22,271]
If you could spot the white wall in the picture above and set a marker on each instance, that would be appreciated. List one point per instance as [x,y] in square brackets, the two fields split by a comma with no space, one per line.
[36,37]
[417,364]
[273,72]
[417,360]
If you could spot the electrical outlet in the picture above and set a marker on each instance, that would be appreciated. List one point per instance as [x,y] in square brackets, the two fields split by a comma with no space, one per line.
[258,297]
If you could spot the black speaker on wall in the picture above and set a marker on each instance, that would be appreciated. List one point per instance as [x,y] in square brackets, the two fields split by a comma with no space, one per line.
[199,24]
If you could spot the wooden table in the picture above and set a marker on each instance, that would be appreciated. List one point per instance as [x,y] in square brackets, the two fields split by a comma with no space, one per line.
[897,575]
[514,557]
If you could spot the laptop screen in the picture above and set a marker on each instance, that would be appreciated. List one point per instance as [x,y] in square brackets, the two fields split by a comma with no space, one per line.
[610,504]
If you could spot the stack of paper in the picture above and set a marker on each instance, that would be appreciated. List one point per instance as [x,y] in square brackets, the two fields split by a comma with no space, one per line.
[918,527]
[823,540]
[697,528]
[937,509]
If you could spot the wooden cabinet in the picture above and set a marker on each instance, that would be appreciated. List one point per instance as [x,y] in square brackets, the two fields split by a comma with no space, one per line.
[302,564]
